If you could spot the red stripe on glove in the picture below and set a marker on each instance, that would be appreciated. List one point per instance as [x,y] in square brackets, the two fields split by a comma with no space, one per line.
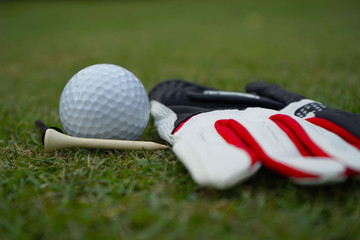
[332,127]
[298,135]
[236,134]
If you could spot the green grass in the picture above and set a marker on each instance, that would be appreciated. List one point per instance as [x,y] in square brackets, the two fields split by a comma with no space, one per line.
[311,47]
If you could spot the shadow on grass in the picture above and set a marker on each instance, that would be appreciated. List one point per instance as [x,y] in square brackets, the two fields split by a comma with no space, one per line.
[272,184]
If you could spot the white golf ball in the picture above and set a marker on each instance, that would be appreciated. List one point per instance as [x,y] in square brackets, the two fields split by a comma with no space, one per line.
[104,101]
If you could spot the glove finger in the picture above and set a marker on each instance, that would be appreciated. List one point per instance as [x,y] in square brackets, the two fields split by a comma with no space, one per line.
[337,129]
[306,170]
[317,141]
[210,160]
[331,144]
[274,92]
[183,93]
[175,92]
[350,122]
[279,152]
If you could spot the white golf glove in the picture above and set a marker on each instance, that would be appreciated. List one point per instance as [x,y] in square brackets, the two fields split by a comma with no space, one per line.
[222,137]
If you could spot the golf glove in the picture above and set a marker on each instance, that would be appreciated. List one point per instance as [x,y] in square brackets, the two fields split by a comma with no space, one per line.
[222,138]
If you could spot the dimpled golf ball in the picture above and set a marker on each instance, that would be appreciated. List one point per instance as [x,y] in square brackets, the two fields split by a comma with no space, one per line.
[104,101]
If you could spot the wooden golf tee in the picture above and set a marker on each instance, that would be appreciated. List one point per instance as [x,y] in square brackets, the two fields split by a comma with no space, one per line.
[55,140]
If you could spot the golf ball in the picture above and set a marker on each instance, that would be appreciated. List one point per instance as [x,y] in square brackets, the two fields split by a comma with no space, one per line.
[104,101]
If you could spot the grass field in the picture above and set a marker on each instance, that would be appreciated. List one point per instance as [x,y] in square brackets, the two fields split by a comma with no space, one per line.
[312,47]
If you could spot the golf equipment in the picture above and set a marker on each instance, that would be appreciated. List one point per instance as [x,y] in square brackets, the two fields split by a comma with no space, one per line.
[54,139]
[104,101]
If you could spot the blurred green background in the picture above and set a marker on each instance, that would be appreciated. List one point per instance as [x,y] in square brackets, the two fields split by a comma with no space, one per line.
[311,47]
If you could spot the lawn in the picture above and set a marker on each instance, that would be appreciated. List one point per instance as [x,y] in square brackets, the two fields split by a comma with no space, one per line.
[312,47]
